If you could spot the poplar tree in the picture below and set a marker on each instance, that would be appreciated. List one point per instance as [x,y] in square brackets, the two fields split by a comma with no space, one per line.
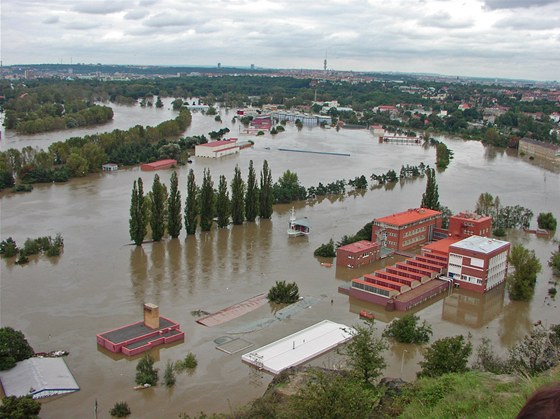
[191,205]
[430,198]
[174,221]
[158,209]
[251,195]
[222,203]
[206,202]
[237,196]
[266,197]
[138,213]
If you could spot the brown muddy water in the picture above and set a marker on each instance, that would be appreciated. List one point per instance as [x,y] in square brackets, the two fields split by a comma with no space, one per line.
[101,281]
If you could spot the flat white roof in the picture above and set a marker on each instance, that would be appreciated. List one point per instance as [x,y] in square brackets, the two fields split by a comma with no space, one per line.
[38,377]
[299,347]
[480,244]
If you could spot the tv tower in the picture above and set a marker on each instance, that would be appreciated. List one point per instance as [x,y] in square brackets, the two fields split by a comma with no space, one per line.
[325,62]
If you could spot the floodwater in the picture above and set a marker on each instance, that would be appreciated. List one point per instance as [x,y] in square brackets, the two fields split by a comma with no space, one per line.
[100,282]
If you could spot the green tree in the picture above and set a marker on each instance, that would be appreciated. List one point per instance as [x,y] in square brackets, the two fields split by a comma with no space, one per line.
[237,197]
[158,209]
[446,355]
[430,198]
[364,352]
[206,201]
[169,374]
[8,248]
[521,282]
[546,221]
[408,330]
[174,221]
[24,407]
[145,371]
[251,195]
[283,293]
[485,204]
[138,213]
[330,395]
[554,262]
[288,188]
[159,103]
[266,198]
[191,204]
[77,164]
[223,203]
[326,250]
[13,348]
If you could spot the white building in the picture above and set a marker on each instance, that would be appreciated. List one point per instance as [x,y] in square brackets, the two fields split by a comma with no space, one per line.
[217,149]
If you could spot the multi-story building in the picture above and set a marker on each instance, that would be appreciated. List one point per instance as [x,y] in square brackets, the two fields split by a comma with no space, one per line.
[467,224]
[357,254]
[478,263]
[406,230]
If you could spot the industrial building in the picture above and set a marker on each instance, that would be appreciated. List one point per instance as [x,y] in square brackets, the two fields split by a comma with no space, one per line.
[217,149]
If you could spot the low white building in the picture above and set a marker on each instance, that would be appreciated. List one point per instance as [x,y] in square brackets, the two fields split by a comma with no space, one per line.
[217,149]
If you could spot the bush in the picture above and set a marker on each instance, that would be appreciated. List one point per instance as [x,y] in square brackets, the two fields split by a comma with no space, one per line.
[499,232]
[552,292]
[169,374]
[445,356]
[326,250]
[13,348]
[554,262]
[283,293]
[546,221]
[8,248]
[189,363]
[120,410]
[407,330]
[145,371]
[24,407]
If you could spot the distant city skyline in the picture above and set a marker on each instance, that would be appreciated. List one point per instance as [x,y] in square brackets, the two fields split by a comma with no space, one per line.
[514,39]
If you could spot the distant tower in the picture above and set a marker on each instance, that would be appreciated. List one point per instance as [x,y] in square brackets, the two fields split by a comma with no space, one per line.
[219,65]
[325,63]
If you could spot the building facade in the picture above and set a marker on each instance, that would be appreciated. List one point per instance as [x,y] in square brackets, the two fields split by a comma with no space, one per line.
[467,224]
[478,263]
[406,230]
[357,254]
[217,149]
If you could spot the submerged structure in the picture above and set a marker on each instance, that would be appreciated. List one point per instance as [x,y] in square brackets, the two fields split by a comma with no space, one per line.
[139,337]
[298,227]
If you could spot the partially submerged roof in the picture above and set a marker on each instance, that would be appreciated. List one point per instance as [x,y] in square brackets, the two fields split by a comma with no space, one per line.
[407,217]
[38,377]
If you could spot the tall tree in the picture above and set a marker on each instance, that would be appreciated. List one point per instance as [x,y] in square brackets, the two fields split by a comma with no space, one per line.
[521,283]
[237,197]
[222,203]
[251,195]
[266,198]
[206,201]
[174,221]
[13,348]
[158,209]
[430,198]
[191,204]
[365,352]
[138,213]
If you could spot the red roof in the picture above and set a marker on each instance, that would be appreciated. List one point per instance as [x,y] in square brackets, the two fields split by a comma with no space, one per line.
[359,246]
[159,164]
[442,245]
[219,143]
[407,217]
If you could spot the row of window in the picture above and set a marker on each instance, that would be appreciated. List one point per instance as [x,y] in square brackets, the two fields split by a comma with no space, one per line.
[371,288]
[414,240]
[414,232]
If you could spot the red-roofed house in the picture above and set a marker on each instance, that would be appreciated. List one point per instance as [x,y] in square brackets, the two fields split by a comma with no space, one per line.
[217,149]
[158,165]
[357,254]
[406,230]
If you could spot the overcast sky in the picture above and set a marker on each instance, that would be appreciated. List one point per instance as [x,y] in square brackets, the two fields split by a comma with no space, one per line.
[496,38]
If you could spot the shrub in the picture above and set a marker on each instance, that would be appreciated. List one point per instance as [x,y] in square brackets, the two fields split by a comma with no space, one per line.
[24,407]
[145,371]
[326,250]
[446,355]
[169,374]
[8,248]
[189,363]
[499,232]
[120,410]
[407,330]
[552,292]
[283,293]
[546,221]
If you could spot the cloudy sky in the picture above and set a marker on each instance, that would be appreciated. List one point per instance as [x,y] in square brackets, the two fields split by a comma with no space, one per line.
[496,38]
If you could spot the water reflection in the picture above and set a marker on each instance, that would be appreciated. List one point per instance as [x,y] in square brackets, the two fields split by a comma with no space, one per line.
[472,309]
[138,272]
[514,323]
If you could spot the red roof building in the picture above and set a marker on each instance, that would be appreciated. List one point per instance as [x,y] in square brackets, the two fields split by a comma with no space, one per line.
[217,149]
[158,165]
[406,230]
[357,254]
[467,224]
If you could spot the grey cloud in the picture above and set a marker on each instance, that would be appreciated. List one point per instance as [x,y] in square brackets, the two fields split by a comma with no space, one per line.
[445,21]
[99,8]
[532,23]
[163,20]
[81,26]
[51,20]
[136,14]
[517,4]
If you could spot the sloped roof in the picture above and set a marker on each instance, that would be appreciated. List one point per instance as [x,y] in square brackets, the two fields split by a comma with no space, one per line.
[38,377]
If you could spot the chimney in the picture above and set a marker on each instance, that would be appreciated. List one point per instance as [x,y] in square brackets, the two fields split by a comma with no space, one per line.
[151,316]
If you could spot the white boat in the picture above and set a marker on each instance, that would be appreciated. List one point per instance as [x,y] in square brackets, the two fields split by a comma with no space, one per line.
[297,227]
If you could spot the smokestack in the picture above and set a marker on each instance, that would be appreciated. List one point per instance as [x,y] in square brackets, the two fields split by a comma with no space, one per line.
[151,316]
